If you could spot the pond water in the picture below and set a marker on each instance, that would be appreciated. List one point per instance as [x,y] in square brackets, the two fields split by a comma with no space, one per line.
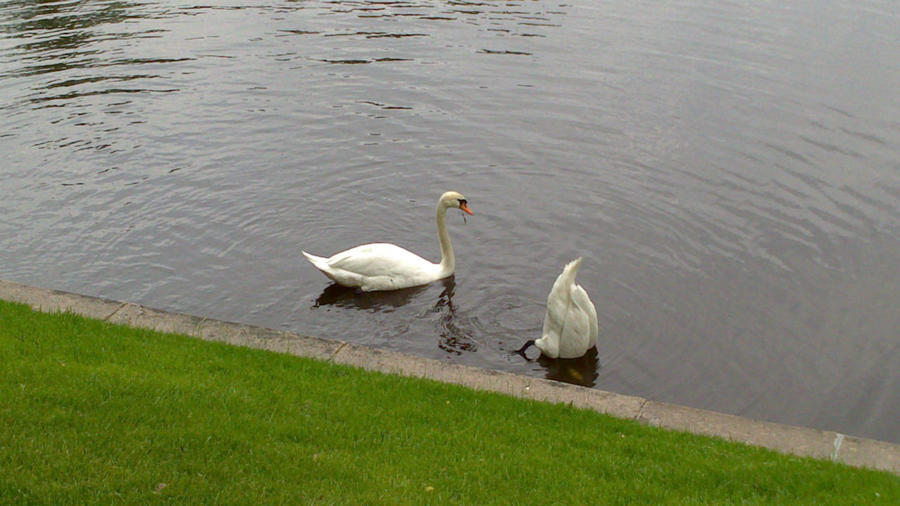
[729,171]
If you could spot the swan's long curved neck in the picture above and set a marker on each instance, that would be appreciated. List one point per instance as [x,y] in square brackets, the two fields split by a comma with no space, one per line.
[448,262]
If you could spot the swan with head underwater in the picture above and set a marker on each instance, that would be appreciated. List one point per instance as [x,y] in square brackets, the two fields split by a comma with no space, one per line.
[385,266]
[570,325]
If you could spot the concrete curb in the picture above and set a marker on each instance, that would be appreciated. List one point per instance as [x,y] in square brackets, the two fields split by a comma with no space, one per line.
[800,441]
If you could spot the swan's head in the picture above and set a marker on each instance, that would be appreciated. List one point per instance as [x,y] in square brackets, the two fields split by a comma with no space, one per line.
[454,200]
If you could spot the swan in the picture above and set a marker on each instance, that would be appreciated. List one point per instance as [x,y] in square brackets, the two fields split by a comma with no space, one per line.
[384,266]
[570,326]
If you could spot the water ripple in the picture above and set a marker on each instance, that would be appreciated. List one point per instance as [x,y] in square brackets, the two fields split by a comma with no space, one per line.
[728,171]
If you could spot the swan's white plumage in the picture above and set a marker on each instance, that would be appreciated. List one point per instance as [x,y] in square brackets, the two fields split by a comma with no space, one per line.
[376,266]
[570,325]
[384,266]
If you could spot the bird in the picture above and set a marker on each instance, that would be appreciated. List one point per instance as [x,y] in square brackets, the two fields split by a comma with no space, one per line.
[570,325]
[385,266]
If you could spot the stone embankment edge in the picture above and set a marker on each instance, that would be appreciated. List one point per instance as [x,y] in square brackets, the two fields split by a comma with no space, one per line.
[802,441]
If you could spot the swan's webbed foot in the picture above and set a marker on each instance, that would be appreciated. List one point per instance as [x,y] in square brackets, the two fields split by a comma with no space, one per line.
[521,351]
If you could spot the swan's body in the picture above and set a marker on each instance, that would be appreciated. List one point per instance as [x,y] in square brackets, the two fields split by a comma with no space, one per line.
[570,325]
[384,266]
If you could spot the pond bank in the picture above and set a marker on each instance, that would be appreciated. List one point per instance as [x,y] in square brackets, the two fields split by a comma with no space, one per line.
[784,438]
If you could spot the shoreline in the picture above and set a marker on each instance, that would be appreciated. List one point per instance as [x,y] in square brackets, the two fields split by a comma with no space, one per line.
[801,441]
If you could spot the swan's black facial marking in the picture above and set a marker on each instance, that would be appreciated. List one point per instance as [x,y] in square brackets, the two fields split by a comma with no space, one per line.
[463,203]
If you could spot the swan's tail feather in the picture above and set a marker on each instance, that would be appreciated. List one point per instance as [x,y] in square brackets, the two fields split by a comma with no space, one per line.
[570,270]
[318,262]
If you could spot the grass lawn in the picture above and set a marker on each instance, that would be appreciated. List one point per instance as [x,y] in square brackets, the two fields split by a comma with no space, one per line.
[92,412]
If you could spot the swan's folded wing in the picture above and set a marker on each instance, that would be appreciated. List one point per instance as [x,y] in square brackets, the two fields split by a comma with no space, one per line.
[549,341]
[574,338]
[581,299]
[558,303]
[377,259]
[557,307]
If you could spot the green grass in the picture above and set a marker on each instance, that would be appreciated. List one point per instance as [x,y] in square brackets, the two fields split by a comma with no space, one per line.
[99,413]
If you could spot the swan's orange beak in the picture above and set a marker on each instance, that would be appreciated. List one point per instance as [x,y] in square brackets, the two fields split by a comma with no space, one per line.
[465,207]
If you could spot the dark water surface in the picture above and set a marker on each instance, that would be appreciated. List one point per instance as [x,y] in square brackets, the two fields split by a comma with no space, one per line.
[729,170]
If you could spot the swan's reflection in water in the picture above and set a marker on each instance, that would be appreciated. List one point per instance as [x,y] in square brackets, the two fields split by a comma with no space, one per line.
[352,298]
[579,371]
[455,337]
[455,331]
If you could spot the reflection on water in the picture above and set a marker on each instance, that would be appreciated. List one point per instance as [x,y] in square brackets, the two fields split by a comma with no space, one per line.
[580,371]
[730,169]
[455,336]
[455,332]
[344,297]
[63,36]
[583,370]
